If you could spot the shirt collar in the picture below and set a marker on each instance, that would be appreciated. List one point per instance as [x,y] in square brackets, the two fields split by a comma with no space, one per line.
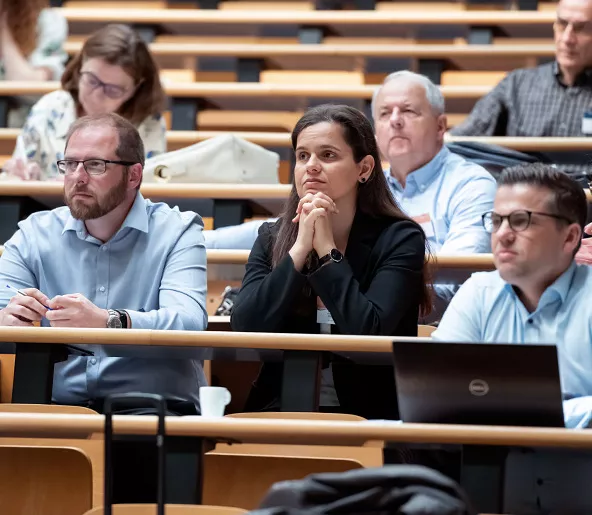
[422,176]
[585,77]
[137,218]
[558,289]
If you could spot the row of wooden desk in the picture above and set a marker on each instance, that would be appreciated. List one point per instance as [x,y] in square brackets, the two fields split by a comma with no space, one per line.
[189,437]
[228,204]
[294,17]
[178,139]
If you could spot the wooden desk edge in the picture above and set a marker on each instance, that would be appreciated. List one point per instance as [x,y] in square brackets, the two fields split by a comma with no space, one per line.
[294,431]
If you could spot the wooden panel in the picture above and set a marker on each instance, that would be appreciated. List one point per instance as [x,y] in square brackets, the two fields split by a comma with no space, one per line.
[180,75]
[312,77]
[337,18]
[262,6]
[368,456]
[420,6]
[462,78]
[93,447]
[47,480]
[243,480]
[425,331]
[6,377]
[244,120]
[112,4]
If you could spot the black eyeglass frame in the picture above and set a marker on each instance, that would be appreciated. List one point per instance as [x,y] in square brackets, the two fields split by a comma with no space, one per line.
[486,219]
[84,161]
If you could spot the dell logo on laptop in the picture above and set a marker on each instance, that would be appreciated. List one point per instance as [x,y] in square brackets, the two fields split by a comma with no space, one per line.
[478,387]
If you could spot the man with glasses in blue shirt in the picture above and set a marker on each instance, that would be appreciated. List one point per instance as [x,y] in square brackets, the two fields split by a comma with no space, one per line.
[112,259]
[537,295]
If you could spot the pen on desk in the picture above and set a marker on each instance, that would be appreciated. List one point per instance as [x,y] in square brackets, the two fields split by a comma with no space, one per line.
[21,292]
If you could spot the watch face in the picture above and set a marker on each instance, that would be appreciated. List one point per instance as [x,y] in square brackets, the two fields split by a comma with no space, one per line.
[336,255]
[113,322]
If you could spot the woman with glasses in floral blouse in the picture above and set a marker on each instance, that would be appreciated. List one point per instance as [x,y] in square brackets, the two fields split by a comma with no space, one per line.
[114,73]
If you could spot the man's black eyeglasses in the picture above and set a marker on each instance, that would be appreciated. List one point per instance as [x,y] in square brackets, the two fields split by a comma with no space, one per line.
[92,166]
[518,220]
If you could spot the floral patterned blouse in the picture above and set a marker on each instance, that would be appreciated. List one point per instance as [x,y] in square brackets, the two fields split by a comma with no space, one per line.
[44,134]
[52,31]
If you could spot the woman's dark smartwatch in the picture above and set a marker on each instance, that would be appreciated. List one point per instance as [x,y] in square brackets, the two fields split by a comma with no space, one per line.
[334,255]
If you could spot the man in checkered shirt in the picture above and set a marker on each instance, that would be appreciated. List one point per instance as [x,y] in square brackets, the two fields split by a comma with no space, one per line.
[548,100]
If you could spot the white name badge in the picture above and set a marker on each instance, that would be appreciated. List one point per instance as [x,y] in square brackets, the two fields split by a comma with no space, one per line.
[324,317]
[587,123]
[425,221]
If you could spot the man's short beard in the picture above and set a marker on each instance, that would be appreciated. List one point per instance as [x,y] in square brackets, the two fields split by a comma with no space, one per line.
[100,207]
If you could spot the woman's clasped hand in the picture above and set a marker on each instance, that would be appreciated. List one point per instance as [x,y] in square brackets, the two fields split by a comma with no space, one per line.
[313,216]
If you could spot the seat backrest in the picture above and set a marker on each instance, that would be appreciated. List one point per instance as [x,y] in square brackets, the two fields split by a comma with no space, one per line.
[176,509]
[47,480]
[471,78]
[425,331]
[46,408]
[242,480]
[331,77]
[369,455]
[6,377]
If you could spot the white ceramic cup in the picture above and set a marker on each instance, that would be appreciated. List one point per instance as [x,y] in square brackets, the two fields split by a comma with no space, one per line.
[213,400]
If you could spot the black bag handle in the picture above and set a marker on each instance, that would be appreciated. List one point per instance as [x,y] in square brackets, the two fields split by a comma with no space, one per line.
[160,404]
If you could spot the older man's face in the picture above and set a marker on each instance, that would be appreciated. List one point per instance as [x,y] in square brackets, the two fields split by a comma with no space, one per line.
[573,35]
[407,129]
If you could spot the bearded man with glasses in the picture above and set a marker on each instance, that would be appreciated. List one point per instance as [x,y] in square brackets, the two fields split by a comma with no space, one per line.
[539,294]
[112,259]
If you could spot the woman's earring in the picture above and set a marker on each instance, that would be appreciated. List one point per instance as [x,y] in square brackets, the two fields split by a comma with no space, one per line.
[363,180]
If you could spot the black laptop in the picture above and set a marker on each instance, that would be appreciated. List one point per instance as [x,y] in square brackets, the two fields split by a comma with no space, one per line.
[478,383]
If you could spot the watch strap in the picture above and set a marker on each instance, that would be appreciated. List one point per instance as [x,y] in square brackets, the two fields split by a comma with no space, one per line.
[122,317]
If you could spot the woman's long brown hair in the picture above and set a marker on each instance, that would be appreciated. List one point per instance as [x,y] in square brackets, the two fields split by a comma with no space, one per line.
[374,197]
[122,46]
[21,18]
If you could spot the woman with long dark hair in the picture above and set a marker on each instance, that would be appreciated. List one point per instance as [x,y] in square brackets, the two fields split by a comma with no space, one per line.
[342,259]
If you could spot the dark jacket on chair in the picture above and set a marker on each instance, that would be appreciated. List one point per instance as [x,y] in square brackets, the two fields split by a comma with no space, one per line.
[403,489]
[375,290]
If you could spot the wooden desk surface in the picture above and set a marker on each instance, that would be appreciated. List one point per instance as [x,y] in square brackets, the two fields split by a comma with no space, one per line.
[159,190]
[296,432]
[203,16]
[265,50]
[206,339]
[477,262]
[248,89]
[282,139]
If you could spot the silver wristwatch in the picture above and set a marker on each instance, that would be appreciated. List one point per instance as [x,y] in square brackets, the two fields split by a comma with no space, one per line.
[113,322]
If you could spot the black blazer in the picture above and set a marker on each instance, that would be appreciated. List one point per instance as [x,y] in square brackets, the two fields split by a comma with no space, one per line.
[375,290]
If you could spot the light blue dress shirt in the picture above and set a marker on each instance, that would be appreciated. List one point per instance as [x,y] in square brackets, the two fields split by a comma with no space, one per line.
[454,193]
[487,309]
[154,267]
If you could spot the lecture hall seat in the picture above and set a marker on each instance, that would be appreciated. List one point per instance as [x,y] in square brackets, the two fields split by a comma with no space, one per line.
[44,480]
